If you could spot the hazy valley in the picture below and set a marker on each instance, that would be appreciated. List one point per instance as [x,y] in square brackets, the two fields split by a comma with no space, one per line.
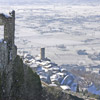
[70,34]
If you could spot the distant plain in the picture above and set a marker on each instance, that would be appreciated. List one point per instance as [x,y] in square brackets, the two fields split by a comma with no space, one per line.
[63,30]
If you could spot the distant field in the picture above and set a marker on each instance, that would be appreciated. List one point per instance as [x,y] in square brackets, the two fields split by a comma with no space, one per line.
[62,30]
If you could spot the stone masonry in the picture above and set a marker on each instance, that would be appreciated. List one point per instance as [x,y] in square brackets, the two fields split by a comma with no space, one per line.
[42,54]
[8,50]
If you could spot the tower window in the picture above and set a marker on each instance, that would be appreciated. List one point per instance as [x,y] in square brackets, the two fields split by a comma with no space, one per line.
[1,33]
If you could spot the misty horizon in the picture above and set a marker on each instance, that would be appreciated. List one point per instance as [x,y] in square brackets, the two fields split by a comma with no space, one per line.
[86,2]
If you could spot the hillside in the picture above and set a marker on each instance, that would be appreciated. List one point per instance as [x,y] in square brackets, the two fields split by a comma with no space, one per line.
[25,85]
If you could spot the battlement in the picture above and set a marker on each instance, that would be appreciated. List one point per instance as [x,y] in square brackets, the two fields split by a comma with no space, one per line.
[8,50]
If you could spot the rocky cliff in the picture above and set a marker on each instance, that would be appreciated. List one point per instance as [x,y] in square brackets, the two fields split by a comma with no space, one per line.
[19,82]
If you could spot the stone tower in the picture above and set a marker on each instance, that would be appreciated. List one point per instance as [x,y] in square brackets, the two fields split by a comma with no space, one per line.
[8,50]
[42,54]
[9,29]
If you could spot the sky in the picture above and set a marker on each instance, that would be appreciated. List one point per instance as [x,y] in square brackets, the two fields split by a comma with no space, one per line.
[51,1]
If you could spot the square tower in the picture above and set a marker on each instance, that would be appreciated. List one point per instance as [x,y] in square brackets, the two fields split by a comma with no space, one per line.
[42,54]
[8,50]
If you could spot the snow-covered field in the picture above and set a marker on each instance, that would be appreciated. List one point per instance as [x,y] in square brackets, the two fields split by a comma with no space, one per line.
[63,30]
[70,35]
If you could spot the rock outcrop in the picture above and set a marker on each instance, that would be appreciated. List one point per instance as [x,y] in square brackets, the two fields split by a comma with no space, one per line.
[54,93]
[19,83]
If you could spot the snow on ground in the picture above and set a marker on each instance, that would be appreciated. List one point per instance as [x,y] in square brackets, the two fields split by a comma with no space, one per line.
[62,30]
[55,75]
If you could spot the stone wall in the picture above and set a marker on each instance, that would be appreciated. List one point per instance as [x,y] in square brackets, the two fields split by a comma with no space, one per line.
[9,27]
[3,55]
[8,50]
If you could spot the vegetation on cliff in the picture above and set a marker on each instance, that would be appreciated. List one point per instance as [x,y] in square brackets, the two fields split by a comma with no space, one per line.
[55,93]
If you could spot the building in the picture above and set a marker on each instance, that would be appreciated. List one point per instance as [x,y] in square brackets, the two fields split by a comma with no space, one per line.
[42,54]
